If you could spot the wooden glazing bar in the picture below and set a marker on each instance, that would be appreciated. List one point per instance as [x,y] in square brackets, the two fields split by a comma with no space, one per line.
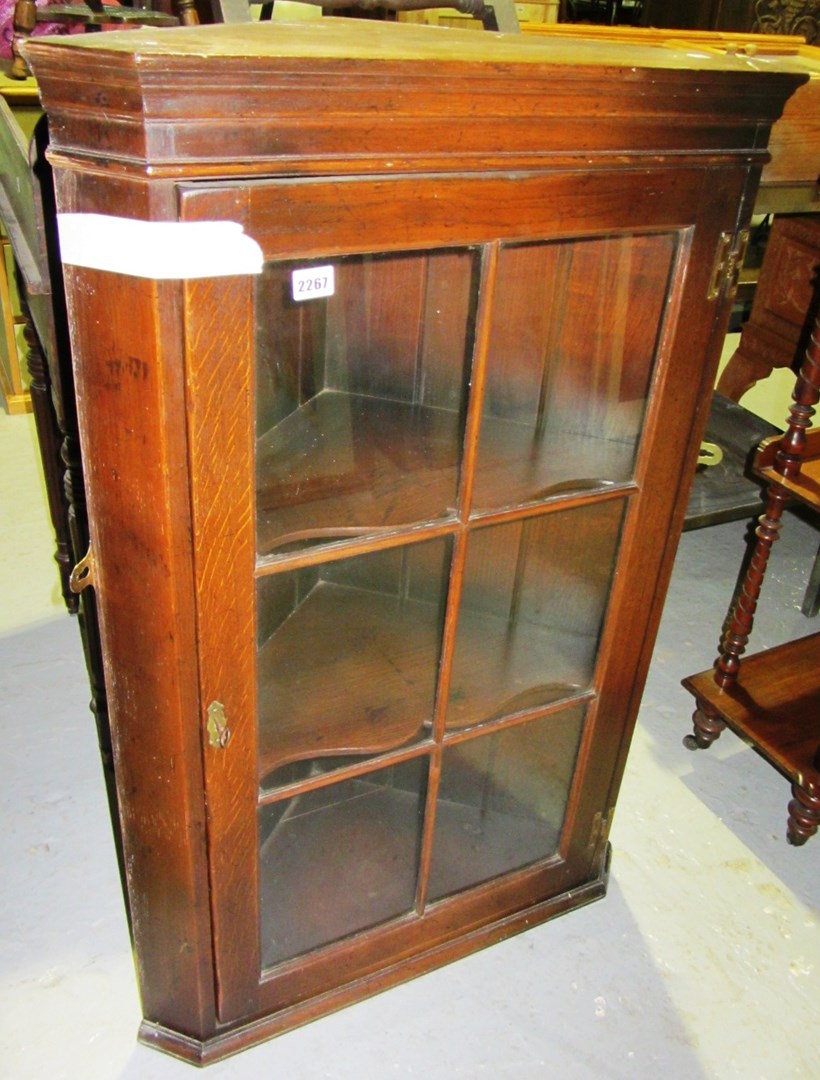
[428,829]
[344,549]
[557,504]
[344,772]
[461,735]
[489,266]
[485,305]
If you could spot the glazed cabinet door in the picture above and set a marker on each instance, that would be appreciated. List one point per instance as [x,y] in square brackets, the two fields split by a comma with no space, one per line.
[436,449]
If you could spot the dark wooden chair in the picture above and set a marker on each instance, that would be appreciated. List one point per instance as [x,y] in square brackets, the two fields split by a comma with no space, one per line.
[496,15]
[772,699]
[92,15]
[786,303]
[28,211]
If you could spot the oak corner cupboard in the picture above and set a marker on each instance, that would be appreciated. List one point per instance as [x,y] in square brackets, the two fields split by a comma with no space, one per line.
[393,350]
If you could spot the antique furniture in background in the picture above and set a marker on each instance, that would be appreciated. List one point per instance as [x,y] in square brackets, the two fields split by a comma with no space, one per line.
[788,17]
[387,455]
[800,17]
[723,489]
[776,334]
[496,15]
[14,390]
[91,15]
[24,216]
[785,301]
[772,699]
[28,214]
[21,116]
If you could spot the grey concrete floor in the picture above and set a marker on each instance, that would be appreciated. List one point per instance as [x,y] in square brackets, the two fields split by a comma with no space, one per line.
[702,961]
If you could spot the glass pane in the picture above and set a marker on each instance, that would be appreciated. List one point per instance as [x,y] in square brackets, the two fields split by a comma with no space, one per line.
[502,800]
[338,860]
[360,395]
[348,654]
[532,608]
[569,365]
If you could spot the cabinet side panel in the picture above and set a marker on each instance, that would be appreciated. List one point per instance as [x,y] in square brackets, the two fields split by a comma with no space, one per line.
[129,393]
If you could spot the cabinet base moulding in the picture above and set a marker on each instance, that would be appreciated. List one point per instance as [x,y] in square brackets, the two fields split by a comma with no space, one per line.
[236,1038]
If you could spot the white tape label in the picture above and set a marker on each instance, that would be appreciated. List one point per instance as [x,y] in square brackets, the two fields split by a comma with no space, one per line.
[159,250]
[312,282]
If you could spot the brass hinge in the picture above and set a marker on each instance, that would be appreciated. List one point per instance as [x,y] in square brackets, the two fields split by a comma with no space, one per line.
[728,264]
[217,726]
[84,573]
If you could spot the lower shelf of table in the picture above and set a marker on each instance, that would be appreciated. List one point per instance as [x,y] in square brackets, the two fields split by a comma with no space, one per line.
[805,485]
[774,705]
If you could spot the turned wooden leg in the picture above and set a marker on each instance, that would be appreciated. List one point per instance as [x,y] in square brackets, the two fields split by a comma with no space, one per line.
[741,617]
[25,18]
[787,464]
[804,812]
[187,12]
[49,438]
[707,728]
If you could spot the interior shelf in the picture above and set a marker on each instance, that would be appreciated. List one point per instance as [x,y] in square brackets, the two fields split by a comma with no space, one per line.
[348,462]
[504,666]
[518,464]
[343,464]
[349,672]
[353,671]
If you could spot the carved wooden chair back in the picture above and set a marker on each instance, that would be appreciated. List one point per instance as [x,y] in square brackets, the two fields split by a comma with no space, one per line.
[497,15]
[92,15]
